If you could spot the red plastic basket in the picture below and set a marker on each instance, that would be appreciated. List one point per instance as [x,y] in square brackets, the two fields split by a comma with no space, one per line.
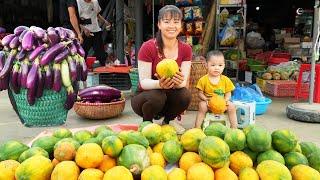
[283,88]
[90,61]
[278,57]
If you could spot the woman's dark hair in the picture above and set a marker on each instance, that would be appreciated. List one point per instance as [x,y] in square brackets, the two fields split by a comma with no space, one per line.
[174,13]
[214,53]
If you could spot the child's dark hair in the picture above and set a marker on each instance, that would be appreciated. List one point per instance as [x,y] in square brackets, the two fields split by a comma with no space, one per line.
[174,12]
[214,53]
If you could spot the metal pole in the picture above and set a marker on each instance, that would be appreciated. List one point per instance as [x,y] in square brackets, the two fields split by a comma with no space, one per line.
[152,18]
[315,55]
[139,26]
[120,30]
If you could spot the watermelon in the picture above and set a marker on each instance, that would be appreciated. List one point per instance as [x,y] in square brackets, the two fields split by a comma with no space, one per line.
[190,140]
[82,135]
[103,134]
[32,152]
[47,143]
[247,129]
[123,135]
[92,140]
[12,150]
[143,124]
[62,133]
[134,157]
[314,160]
[295,158]
[253,155]
[100,129]
[216,129]
[236,139]
[134,137]
[259,139]
[74,142]
[284,141]
[152,132]
[112,146]
[172,151]
[308,148]
[214,151]
[270,169]
[270,155]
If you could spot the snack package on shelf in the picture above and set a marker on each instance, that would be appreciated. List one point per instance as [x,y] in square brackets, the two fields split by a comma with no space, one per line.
[197,2]
[224,16]
[188,15]
[197,13]
[228,35]
[189,28]
[198,27]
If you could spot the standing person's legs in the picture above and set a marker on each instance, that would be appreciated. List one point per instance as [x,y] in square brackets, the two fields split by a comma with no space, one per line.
[148,104]
[87,44]
[98,48]
[178,101]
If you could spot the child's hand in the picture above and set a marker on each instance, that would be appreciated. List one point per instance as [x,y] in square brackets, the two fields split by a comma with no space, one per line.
[178,78]
[165,83]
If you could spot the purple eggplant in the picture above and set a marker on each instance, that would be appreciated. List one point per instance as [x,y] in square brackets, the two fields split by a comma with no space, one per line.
[80,50]
[37,51]
[73,49]
[51,53]
[48,77]
[24,72]
[22,53]
[31,92]
[4,83]
[52,36]
[27,41]
[40,85]
[71,98]
[78,67]
[56,78]
[18,30]
[33,74]
[38,32]
[72,68]
[70,34]
[8,64]
[62,33]
[2,59]
[14,78]
[7,39]
[14,43]
[84,69]
[22,35]
[61,56]
[101,92]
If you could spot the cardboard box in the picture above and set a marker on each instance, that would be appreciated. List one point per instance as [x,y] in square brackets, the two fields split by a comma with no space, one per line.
[291,40]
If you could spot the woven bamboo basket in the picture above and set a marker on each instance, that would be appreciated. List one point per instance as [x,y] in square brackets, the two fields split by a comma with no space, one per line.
[47,111]
[99,110]
[198,69]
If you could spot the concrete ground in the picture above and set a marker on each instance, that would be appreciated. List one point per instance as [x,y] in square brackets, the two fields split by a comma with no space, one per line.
[274,118]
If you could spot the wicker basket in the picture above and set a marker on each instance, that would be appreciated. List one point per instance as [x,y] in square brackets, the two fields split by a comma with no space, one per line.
[47,111]
[198,69]
[99,110]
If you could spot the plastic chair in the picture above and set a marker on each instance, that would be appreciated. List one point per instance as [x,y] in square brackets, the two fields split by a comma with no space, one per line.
[299,94]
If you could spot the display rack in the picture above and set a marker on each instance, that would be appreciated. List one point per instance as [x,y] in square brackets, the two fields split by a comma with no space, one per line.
[240,27]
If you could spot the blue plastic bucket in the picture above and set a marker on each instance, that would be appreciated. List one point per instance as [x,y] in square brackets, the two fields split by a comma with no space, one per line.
[262,107]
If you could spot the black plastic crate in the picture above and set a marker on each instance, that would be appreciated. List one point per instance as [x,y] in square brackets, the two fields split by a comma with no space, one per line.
[120,81]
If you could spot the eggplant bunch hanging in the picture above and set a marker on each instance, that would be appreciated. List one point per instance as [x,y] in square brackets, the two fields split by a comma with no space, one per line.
[38,59]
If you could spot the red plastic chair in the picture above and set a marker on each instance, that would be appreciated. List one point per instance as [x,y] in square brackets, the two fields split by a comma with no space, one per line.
[305,95]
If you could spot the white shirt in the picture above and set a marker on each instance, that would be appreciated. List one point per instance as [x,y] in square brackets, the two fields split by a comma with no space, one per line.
[89,10]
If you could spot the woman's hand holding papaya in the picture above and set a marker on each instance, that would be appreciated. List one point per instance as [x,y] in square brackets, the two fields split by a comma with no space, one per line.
[178,79]
[165,83]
